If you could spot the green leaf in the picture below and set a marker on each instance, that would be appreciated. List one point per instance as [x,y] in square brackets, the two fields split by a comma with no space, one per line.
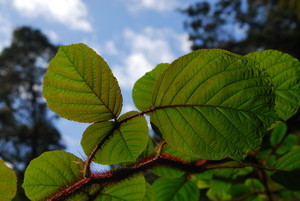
[169,172]
[278,134]
[142,90]
[285,73]
[223,179]
[8,182]
[239,190]
[131,189]
[80,86]
[119,143]
[213,195]
[287,144]
[254,184]
[202,184]
[51,172]
[288,173]
[297,194]
[212,104]
[150,193]
[284,194]
[177,189]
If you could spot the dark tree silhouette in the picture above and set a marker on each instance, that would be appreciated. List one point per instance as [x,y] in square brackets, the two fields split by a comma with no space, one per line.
[269,24]
[26,128]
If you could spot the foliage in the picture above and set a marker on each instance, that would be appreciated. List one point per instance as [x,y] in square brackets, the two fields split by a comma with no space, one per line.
[8,182]
[245,26]
[212,109]
[26,128]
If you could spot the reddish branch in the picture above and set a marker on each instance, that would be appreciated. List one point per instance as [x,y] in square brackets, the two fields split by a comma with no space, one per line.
[158,160]
[100,144]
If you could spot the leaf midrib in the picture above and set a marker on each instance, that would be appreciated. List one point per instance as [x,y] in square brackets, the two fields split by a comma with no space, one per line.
[106,106]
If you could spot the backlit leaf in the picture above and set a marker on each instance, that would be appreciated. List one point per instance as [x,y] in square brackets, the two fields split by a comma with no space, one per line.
[288,173]
[212,104]
[8,182]
[80,86]
[142,90]
[150,193]
[119,143]
[177,189]
[51,172]
[131,189]
[284,70]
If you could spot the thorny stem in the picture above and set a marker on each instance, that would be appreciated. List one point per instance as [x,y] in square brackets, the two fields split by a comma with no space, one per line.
[159,159]
[100,144]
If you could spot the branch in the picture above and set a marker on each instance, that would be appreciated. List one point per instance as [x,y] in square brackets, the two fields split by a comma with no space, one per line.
[159,159]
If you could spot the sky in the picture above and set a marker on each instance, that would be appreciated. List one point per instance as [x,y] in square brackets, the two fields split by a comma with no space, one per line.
[133,36]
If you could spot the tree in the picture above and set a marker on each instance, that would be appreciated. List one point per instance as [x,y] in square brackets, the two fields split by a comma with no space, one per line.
[211,132]
[266,25]
[26,128]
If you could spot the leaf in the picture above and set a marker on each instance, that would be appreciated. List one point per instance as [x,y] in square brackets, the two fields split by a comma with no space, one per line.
[254,184]
[131,189]
[150,193]
[51,172]
[287,144]
[8,182]
[142,90]
[240,190]
[213,195]
[80,86]
[223,179]
[119,143]
[170,172]
[285,73]
[286,195]
[177,189]
[212,104]
[288,173]
[278,134]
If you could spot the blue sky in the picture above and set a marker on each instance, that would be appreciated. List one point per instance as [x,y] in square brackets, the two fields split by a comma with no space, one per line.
[133,36]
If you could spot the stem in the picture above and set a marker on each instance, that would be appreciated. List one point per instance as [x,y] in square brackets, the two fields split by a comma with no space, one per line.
[159,159]
[99,145]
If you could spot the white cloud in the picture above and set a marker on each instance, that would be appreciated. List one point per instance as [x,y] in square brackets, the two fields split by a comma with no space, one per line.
[6,29]
[110,48]
[147,49]
[158,5]
[72,13]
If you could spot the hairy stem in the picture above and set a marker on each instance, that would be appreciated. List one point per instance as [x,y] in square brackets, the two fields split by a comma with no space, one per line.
[159,159]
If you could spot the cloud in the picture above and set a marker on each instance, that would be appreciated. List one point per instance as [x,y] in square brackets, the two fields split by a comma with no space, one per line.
[72,13]
[147,49]
[110,48]
[158,5]
[6,29]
